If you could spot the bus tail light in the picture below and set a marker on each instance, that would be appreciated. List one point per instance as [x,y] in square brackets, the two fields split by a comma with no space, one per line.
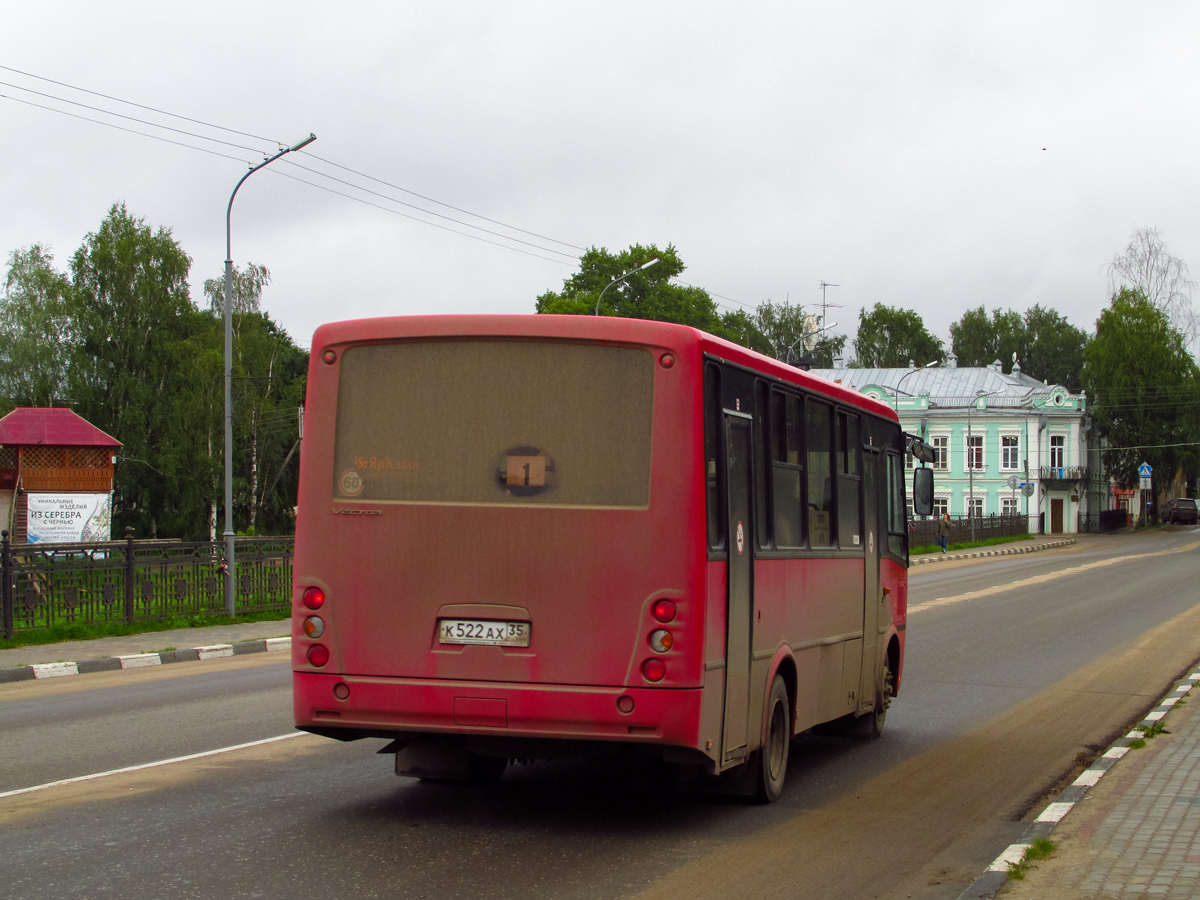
[661,640]
[654,669]
[318,655]
[314,627]
[314,598]
[664,611]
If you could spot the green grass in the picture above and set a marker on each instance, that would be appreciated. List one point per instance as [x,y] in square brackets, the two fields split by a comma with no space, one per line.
[1041,848]
[1137,744]
[988,542]
[1153,729]
[80,632]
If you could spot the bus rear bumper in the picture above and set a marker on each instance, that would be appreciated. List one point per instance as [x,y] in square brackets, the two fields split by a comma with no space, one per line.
[390,706]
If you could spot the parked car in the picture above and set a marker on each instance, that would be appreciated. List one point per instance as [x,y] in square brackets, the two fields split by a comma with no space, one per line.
[1181,510]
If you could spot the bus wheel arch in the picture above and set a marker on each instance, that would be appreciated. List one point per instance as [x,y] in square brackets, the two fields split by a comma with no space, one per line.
[784,667]
[892,659]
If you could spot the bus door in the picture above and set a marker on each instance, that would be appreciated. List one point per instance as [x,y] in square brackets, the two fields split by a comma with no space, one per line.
[875,610]
[739,606]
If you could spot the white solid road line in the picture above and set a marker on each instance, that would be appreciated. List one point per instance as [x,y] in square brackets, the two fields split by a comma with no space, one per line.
[150,765]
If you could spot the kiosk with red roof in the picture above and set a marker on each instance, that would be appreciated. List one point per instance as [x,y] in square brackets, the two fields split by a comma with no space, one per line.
[56,477]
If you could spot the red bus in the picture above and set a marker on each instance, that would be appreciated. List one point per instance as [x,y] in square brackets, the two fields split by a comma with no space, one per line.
[522,537]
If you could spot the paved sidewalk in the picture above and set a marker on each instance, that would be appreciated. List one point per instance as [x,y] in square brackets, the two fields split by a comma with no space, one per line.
[151,642]
[1134,833]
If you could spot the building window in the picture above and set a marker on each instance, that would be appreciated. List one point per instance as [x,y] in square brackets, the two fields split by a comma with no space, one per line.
[941,506]
[1010,452]
[1058,451]
[941,452]
[1010,506]
[975,451]
[975,504]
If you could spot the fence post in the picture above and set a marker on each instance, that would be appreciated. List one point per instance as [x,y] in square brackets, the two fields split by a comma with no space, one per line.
[129,574]
[6,574]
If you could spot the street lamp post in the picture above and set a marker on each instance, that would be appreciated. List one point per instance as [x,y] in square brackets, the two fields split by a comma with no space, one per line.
[622,278]
[230,583]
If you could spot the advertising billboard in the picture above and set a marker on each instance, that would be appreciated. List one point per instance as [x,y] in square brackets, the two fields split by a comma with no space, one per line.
[68,518]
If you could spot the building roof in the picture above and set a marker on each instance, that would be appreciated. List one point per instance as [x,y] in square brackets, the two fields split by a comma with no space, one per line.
[950,386]
[59,427]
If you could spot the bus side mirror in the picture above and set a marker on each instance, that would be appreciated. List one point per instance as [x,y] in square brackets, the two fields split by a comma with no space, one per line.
[922,492]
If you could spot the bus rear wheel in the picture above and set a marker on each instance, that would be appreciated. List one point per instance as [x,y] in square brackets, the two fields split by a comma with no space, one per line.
[773,758]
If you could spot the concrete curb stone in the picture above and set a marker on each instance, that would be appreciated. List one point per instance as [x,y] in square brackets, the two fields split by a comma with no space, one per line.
[141,660]
[1010,551]
[987,885]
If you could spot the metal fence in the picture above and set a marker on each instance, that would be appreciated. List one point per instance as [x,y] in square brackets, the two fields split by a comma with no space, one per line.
[42,585]
[1105,520]
[921,532]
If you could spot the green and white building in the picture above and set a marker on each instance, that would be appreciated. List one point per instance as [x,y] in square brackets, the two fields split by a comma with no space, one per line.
[986,427]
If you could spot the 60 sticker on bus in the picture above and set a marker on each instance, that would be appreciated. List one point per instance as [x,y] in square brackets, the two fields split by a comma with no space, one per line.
[482,631]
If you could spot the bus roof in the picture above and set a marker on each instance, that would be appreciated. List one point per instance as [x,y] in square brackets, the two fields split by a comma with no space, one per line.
[589,328]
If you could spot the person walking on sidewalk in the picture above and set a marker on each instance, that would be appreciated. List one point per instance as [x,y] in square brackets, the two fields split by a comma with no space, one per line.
[943,531]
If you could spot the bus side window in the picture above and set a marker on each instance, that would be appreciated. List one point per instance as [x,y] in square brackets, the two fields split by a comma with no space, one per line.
[819,437]
[786,469]
[712,492]
[896,511]
[762,463]
[849,484]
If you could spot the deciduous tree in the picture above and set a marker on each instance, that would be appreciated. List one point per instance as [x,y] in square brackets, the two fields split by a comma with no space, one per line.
[978,340]
[1143,386]
[247,287]
[643,295]
[36,332]
[1054,348]
[1047,345]
[131,309]
[892,338]
[1147,266]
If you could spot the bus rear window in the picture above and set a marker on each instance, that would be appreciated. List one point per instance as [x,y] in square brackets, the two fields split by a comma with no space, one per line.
[495,422]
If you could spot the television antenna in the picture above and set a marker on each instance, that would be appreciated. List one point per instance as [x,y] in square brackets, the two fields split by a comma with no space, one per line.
[826,306]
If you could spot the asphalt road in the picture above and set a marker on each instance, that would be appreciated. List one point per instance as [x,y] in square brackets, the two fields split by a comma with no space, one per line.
[1004,686]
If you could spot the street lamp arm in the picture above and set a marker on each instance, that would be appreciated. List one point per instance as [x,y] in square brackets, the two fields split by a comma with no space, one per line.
[622,278]
[266,162]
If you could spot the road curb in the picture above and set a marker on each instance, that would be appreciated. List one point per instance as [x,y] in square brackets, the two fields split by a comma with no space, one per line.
[1011,551]
[141,660]
[987,885]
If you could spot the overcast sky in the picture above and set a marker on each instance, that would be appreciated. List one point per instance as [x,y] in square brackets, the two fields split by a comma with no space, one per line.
[933,156]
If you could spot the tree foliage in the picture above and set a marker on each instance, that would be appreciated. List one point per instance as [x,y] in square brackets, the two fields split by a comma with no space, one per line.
[1046,345]
[773,329]
[892,338]
[795,336]
[134,356]
[647,294]
[36,333]
[1143,386]
[246,288]
[1054,349]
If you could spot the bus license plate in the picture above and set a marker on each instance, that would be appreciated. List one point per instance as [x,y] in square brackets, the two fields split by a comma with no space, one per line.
[477,631]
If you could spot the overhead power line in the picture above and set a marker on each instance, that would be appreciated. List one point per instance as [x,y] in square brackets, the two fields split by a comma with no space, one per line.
[161,112]
[313,171]
[352,186]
